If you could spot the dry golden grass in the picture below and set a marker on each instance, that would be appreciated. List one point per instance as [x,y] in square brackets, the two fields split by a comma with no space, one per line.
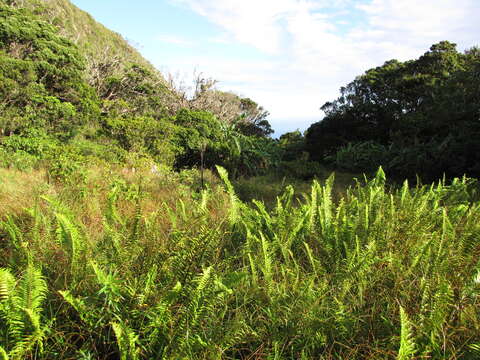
[19,189]
[88,201]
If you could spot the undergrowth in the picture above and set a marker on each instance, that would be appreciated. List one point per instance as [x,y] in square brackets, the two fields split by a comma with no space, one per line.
[140,266]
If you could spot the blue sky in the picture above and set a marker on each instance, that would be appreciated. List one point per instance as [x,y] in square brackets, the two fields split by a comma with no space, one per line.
[290,56]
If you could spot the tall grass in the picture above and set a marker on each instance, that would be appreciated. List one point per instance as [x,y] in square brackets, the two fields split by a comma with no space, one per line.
[145,268]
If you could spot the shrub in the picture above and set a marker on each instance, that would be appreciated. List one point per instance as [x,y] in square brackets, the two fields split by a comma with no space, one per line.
[360,157]
[67,167]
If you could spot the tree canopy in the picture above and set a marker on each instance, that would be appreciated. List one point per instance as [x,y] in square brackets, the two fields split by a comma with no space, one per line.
[420,117]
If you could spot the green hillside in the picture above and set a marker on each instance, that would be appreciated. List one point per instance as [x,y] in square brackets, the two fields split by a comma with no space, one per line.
[98,44]
[63,96]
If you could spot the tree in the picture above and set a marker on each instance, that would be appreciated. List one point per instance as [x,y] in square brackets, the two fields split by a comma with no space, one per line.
[253,119]
[41,77]
[427,106]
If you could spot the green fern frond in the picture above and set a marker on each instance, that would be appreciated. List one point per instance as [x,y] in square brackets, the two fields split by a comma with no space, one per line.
[22,308]
[3,354]
[407,342]
[149,283]
[313,206]
[474,347]
[325,207]
[126,341]
[202,282]
[267,263]
[137,221]
[69,236]
[7,283]
[27,335]
[380,177]
[196,305]
[31,290]
[234,202]
[111,213]
[14,233]
[203,206]
[441,308]
[79,305]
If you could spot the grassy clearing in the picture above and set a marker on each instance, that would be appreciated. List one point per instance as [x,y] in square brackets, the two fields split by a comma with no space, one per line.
[267,188]
[136,266]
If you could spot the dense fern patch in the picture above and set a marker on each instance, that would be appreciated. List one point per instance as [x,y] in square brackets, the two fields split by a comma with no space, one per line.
[142,267]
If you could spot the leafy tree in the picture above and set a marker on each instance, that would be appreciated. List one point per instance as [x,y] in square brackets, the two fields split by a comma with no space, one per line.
[41,77]
[253,119]
[292,144]
[427,106]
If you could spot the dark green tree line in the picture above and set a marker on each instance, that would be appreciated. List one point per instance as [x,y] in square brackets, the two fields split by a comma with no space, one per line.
[418,117]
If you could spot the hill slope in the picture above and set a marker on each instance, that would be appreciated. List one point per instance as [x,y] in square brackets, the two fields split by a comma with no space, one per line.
[70,86]
[102,47]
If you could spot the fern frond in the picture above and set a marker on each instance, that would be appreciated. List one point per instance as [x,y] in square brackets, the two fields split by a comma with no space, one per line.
[111,213]
[137,221]
[14,233]
[22,311]
[267,263]
[203,206]
[195,307]
[126,341]
[69,236]
[443,299]
[3,354]
[79,305]
[31,290]
[474,347]
[27,335]
[234,202]
[326,205]
[407,342]
[7,283]
[202,282]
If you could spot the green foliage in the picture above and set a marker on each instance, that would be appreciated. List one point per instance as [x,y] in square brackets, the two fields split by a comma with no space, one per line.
[407,343]
[56,95]
[364,156]
[413,117]
[372,270]
[201,134]
[140,265]
[301,168]
[253,119]
[292,144]
[42,77]
[126,340]
[20,307]
[66,167]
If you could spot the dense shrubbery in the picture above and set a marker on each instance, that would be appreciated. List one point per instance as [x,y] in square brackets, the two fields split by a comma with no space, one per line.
[48,109]
[415,117]
[41,78]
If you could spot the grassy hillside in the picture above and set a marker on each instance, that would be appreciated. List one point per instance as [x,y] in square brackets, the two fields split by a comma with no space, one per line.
[98,44]
[58,99]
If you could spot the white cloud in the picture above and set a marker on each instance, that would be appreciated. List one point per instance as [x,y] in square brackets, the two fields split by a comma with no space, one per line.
[321,45]
[250,21]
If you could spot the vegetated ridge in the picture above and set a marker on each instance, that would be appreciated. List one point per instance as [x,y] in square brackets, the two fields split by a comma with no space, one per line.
[98,44]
